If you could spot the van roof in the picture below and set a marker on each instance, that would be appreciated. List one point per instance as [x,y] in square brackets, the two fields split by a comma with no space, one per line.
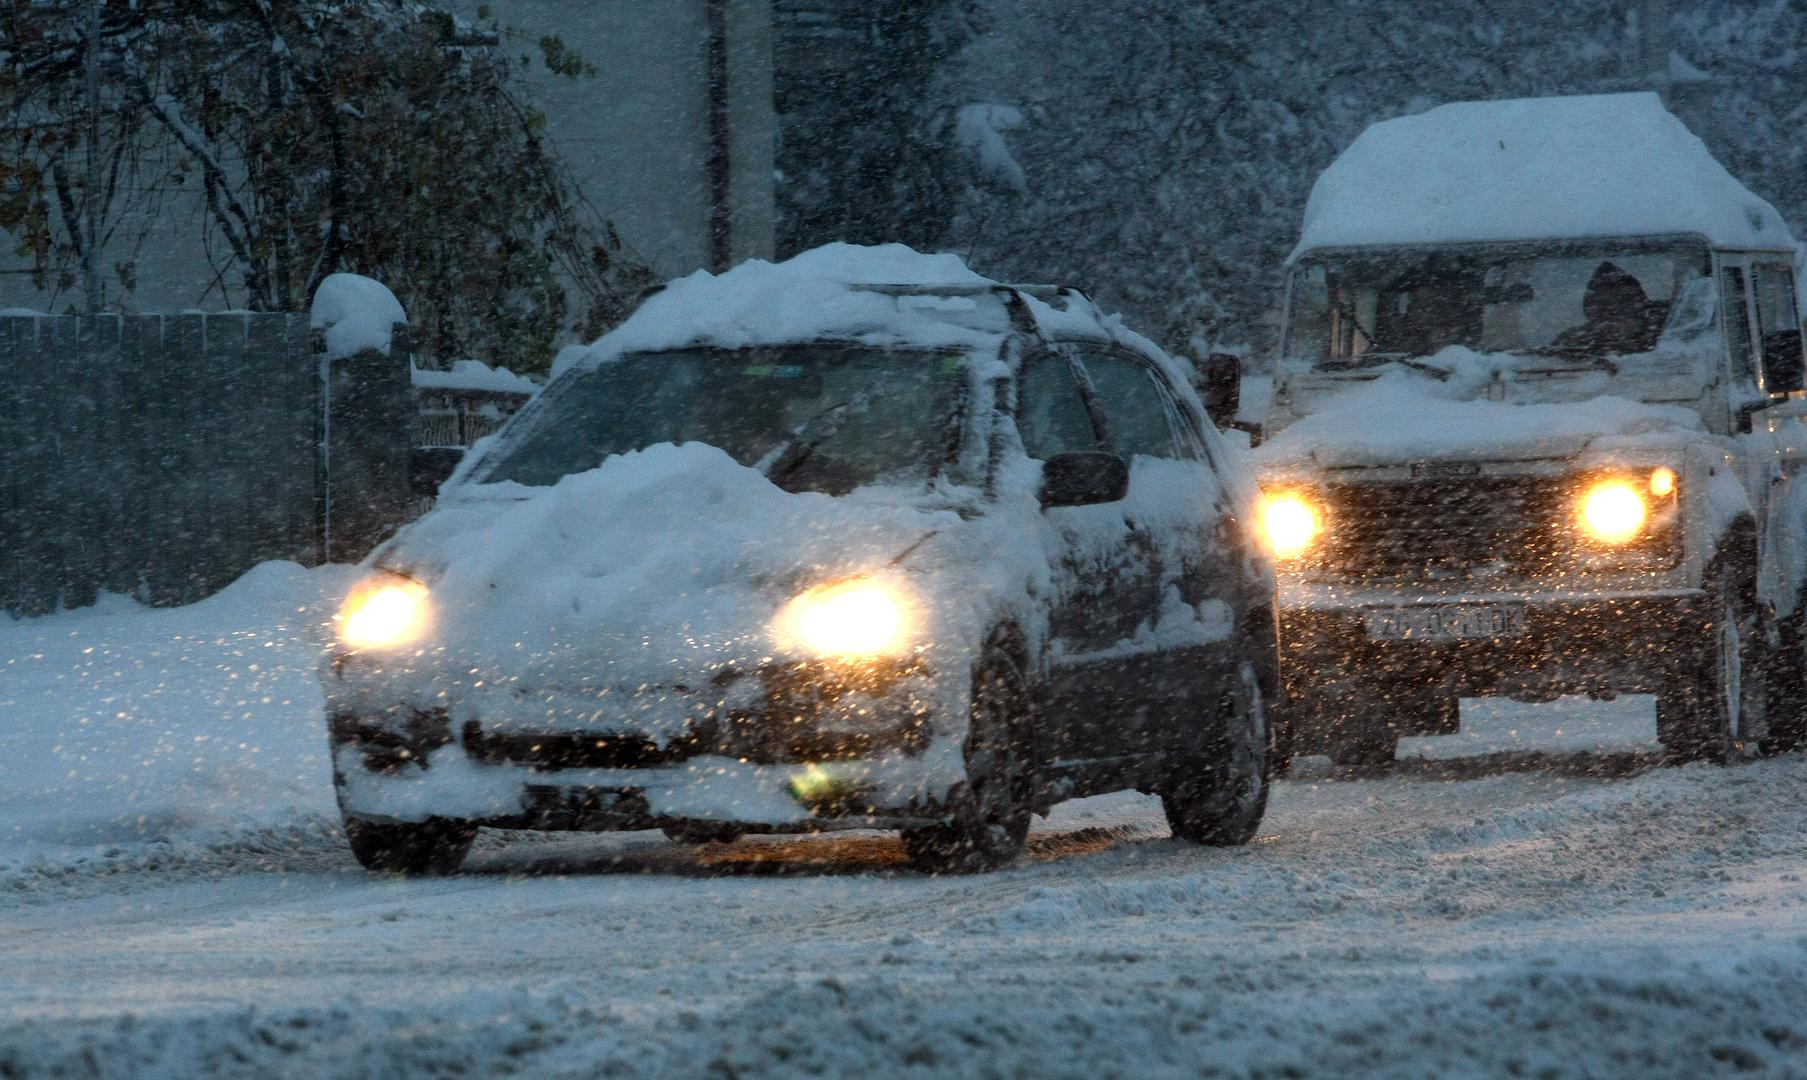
[1603,165]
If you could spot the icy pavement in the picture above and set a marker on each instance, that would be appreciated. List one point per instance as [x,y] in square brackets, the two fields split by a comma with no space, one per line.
[1472,917]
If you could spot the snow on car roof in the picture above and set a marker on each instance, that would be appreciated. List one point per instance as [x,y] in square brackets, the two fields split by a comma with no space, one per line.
[881,295]
[1534,169]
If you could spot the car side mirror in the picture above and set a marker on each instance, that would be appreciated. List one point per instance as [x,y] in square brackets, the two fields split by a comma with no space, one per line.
[1223,388]
[1084,479]
[431,466]
[1784,366]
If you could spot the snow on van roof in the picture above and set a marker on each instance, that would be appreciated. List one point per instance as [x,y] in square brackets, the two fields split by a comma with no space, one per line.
[1534,169]
[810,296]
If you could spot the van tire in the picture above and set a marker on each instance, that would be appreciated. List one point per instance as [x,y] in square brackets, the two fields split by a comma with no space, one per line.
[1700,718]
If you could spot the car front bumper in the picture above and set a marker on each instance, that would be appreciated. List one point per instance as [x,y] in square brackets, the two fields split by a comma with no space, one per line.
[812,749]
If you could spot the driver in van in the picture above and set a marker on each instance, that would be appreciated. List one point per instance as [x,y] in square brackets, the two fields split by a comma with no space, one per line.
[1621,318]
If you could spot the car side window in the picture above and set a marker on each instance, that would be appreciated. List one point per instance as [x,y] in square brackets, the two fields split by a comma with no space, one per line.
[1137,416]
[1051,411]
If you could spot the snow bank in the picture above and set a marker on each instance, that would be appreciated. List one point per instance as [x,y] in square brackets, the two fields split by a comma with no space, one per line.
[474,375]
[1532,169]
[356,312]
[120,723]
[801,299]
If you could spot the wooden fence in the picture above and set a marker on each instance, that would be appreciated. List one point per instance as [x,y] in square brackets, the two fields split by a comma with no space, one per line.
[161,456]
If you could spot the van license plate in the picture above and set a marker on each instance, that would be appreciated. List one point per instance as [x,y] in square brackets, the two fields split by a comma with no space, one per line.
[1447,622]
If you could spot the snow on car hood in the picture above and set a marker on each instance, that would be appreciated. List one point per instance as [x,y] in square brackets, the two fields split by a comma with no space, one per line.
[665,567]
[1401,417]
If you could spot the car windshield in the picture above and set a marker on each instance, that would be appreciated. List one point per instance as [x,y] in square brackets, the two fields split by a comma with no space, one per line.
[1359,310]
[826,418]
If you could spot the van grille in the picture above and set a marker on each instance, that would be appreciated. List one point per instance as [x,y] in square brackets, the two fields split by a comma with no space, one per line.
[1498,527]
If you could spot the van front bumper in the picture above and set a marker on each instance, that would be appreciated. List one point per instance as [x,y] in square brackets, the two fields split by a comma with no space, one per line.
[1594,644]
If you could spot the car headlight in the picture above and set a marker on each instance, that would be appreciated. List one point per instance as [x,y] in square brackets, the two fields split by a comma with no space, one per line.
[383,612]
[1290,523]
[1614,512]
[850,619]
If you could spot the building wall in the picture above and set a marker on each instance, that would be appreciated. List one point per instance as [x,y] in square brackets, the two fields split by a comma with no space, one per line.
[637,135]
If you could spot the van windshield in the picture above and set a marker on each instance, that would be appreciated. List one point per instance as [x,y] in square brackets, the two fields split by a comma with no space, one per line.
[825,418]
[1362,309]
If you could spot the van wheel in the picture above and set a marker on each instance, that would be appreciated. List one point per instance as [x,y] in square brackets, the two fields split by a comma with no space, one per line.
[988,821]
[436,846]
[1701,719]
[1786,706]
[1220,796]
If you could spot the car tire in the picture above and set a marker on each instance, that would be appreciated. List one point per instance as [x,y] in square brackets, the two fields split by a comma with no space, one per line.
[1220,796]
[1700,718]
[988,819]
[702,832]
[435,846]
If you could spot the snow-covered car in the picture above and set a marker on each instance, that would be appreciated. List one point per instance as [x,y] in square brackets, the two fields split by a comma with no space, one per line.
[1536,431]
[786,554]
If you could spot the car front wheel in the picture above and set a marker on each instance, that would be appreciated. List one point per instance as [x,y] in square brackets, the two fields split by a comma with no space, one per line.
[429,847]
[1219,796]
[988,815]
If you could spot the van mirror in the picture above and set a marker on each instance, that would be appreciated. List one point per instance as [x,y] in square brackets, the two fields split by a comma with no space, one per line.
[1223,388]
[1784,366]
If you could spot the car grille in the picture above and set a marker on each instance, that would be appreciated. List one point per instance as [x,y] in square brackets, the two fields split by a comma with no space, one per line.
[548,750]
[1502,527]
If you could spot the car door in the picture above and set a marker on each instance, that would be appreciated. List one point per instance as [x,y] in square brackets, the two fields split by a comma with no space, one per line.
[1104,582]
[1175,514]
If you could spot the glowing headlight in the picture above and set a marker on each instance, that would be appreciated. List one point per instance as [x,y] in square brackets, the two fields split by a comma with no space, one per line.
[851,619]
[383,612]
[1662,481]
[1613,512]
[1291,524]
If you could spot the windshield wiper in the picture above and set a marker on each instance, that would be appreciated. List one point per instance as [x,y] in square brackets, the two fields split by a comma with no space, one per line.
[826,424]
[1599,360]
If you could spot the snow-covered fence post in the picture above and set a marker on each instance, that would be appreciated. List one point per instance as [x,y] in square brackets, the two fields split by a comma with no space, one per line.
[367,415]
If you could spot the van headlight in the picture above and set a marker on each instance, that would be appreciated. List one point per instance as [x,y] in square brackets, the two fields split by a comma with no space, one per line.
[849,619]
[1291,523]
[1614,511]
[383,612]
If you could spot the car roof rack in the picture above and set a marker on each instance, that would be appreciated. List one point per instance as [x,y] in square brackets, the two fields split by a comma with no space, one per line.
[1062,297]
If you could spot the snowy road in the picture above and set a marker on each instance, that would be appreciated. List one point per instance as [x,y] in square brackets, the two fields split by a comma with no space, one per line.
[175,901]
[1654,923]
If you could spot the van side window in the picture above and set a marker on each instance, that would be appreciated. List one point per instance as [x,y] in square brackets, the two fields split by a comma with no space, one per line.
[1737,323]
[1137,416]
[1051,412]
[1779,328]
